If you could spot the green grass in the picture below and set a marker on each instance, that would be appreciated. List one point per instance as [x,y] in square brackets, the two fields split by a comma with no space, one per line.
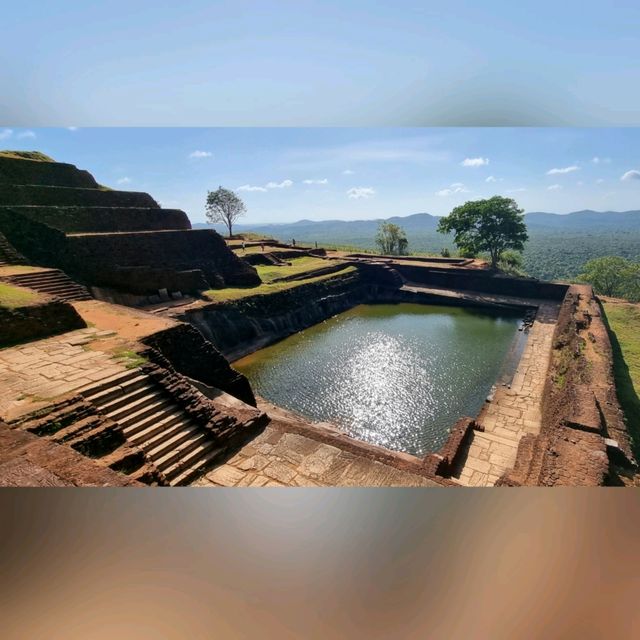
[26,155]
[129,358]
[623,322]
[225,295]
[269,272]
[12,297]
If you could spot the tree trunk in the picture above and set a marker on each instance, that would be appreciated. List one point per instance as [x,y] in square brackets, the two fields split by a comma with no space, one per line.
[229,227]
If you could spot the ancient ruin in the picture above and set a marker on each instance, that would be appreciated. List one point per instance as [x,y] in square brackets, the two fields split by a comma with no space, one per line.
[119,324]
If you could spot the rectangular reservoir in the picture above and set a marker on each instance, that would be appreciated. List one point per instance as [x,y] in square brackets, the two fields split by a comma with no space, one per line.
[394,375]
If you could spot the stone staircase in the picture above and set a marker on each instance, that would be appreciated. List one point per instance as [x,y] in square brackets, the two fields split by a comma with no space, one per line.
[395,275]
[150,419]
[53,282]
[8,255]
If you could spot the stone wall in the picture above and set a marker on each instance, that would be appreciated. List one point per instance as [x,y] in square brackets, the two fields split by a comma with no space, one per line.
[59,174]
[44,195]
[185,349]
[484,281]
[29,461]
[581,416]
[95,256]
[107,260]
[36,321]
[103,219]
[238,328]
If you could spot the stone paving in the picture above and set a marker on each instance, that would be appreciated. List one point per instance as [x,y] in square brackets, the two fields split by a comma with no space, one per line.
[513,411]
[34,373]
[276,458]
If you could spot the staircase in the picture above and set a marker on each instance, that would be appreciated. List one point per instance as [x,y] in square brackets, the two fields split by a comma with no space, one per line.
[8,255]
[179,448]
[394,275]
[53,282]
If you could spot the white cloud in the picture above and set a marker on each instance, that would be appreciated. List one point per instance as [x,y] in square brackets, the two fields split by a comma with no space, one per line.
[599,180]
[493,179]
[26,134]
[348,172]
[248,187]
[6,133]
[633,174]
[200,154]
[554,187]
[579,183]
[475,162]
[355,193]
[456,187]
[553,172]
[598,160]
[323,181]
[279,185]
[72,128]
[124,180]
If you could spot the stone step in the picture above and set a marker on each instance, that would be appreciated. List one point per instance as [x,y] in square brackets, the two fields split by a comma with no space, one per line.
[43,274]
[144,419]
[156,427]
[129,414]
[52,285]
[53,282]
[192,465]
[100,398]
[128,397]
[176,445]
[492,437]
[122,377]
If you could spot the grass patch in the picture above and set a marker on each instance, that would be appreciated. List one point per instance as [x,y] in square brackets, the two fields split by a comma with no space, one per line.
[269,272]
[26,155]
[266,288]
[129,358]
[623,323]
[12,297]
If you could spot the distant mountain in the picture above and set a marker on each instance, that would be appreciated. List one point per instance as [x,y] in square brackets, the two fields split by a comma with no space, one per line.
[419,224]
[558,246]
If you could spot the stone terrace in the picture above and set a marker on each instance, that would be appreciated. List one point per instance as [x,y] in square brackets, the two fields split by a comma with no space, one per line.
[278,458]
[33,374]
[513,412]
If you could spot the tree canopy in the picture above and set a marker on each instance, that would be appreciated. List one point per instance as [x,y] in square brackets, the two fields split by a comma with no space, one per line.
[490,226]
[224,206]
[613,276]
[392,239]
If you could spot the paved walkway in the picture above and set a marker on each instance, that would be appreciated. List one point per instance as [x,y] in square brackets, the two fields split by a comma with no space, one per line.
[32,374]
[514,411]
[279,459]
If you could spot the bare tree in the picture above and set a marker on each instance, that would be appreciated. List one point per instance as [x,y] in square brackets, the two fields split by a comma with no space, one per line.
[224,206]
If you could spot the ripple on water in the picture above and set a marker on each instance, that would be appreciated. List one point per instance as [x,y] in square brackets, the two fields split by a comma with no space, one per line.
[394,375]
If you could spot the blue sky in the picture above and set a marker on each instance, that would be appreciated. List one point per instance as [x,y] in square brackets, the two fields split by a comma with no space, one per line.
[320,62]
[287,174]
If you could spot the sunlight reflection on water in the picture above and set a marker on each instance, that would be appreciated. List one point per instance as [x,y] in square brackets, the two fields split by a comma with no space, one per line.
[393,375]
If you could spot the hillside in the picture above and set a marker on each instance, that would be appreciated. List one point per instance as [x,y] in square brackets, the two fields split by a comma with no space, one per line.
[558,247]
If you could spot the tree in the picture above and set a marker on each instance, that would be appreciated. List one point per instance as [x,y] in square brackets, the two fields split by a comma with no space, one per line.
[224,206]
[611,275]
[392,239]
[491,226]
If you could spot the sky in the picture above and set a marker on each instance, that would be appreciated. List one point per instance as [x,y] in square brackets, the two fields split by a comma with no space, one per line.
[288,174]
[320,62]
